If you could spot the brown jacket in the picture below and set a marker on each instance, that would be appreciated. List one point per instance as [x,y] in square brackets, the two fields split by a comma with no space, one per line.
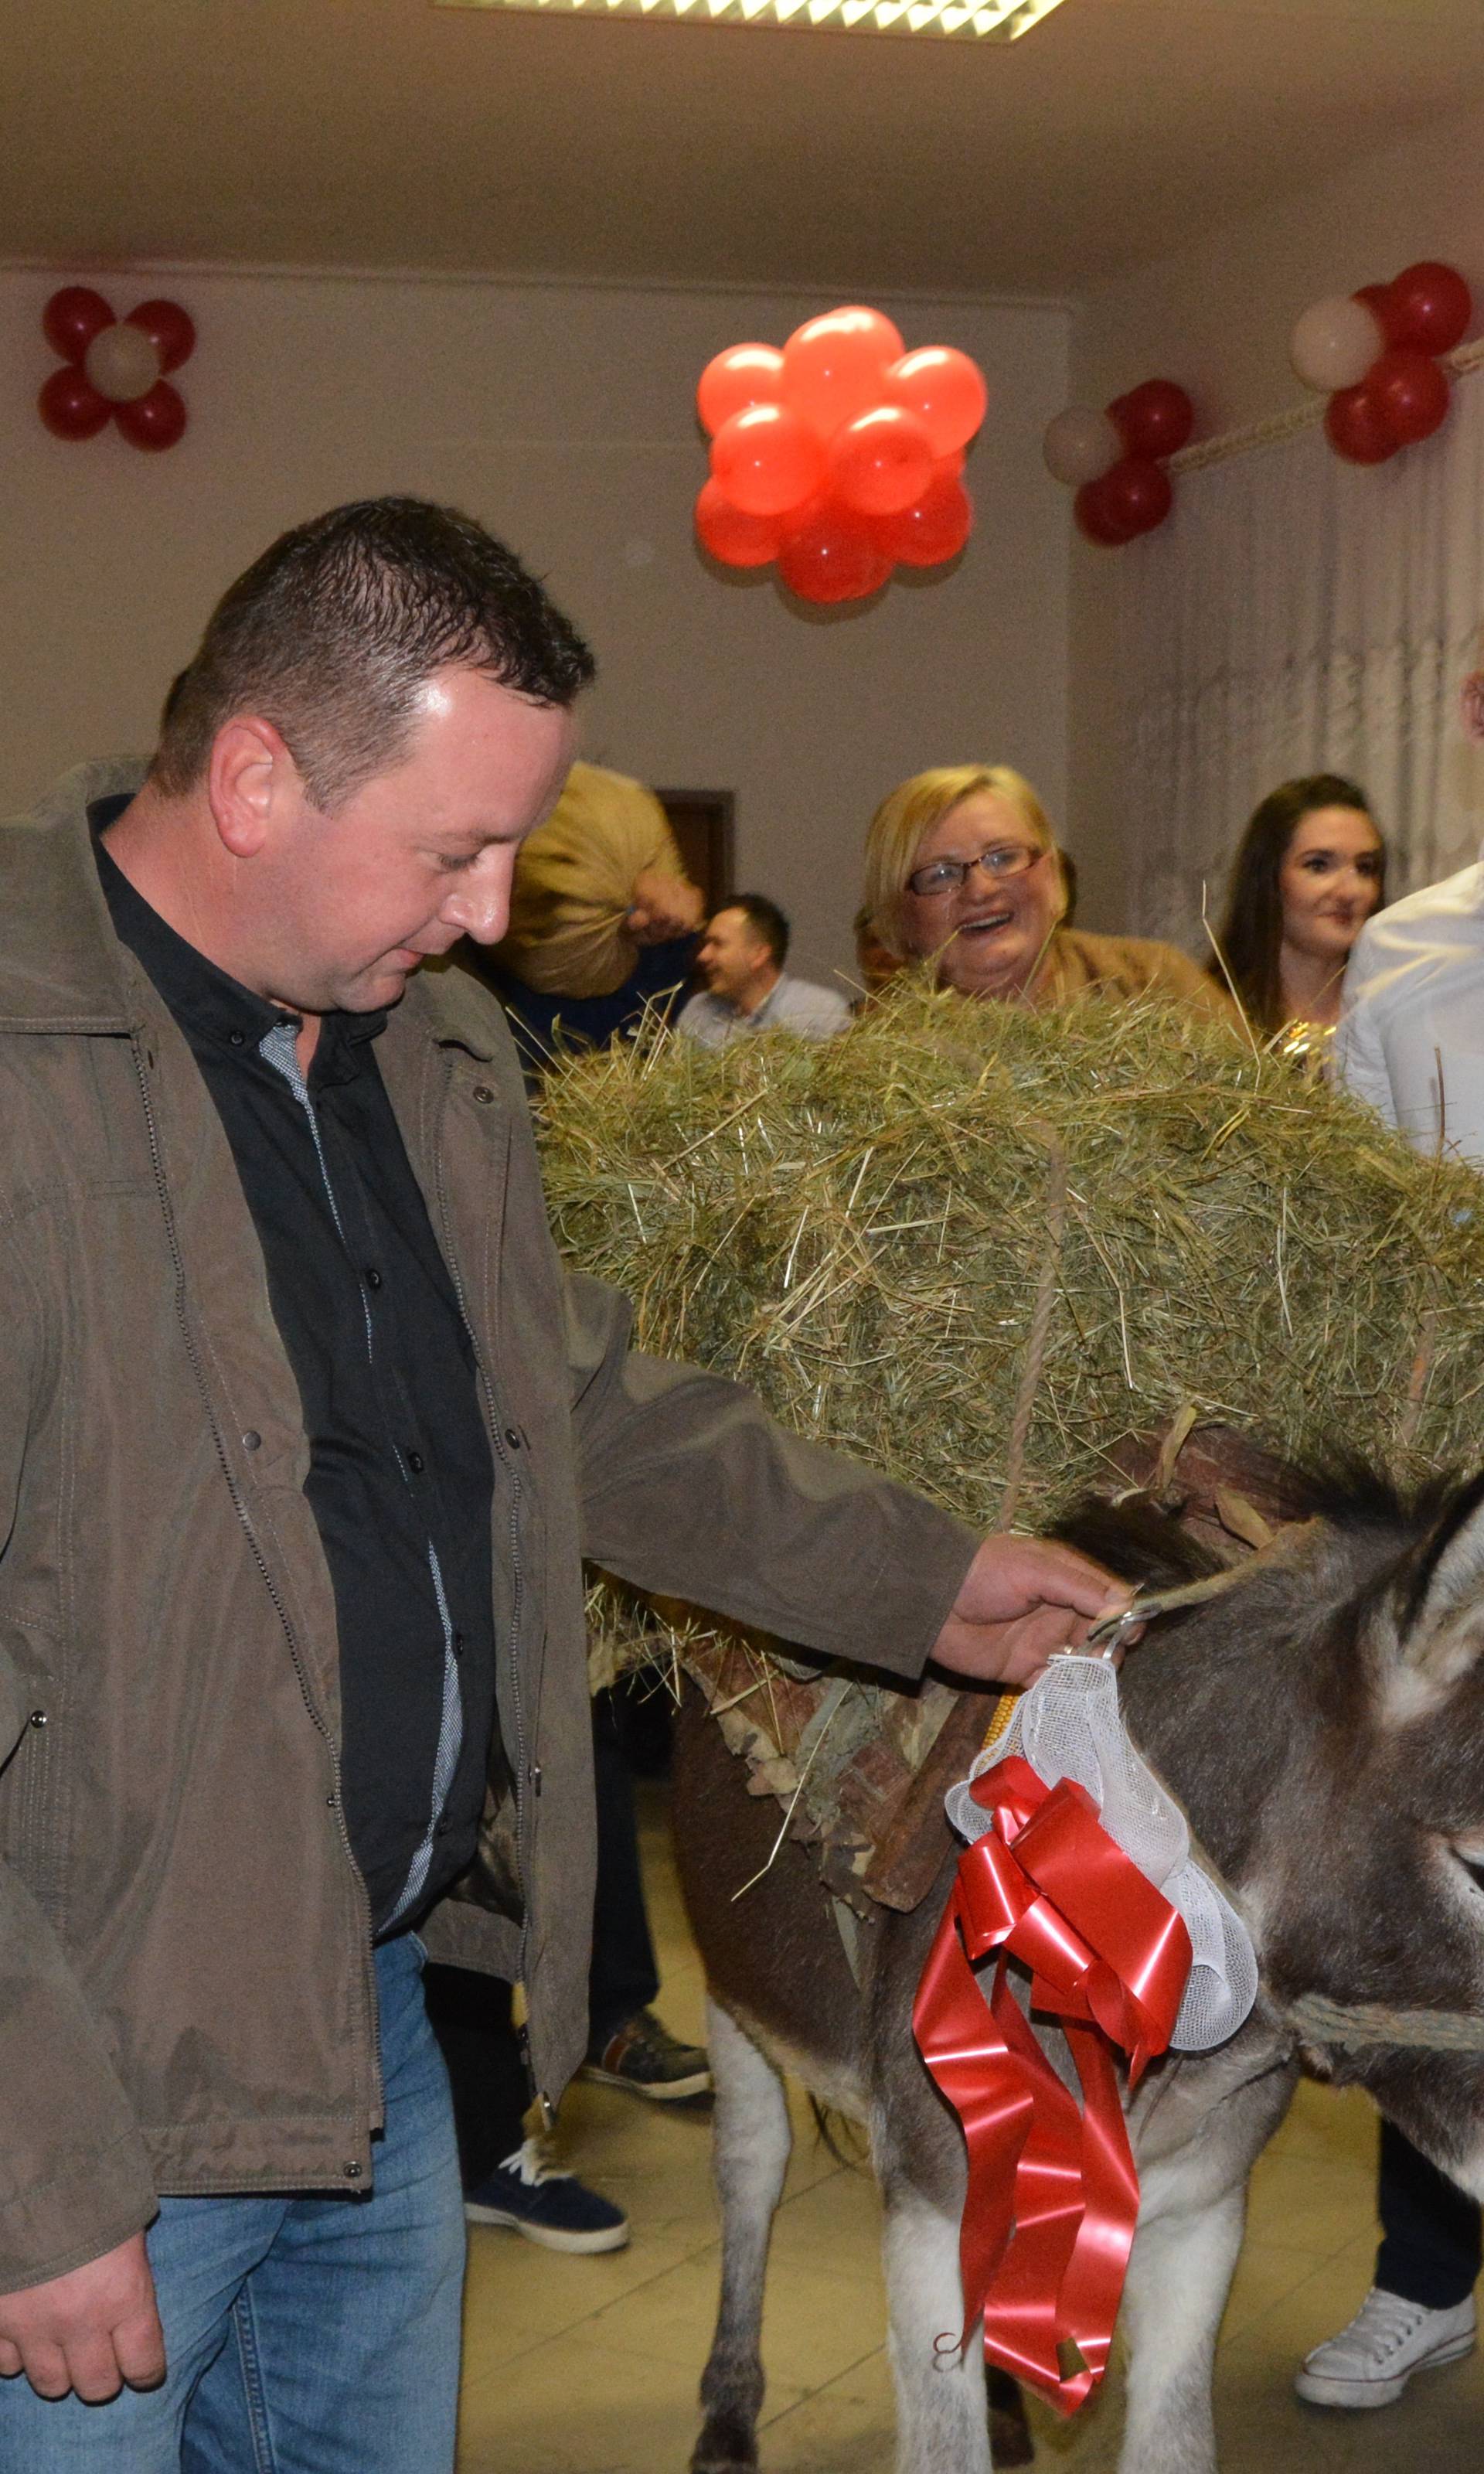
[1125,966]
[186,1995]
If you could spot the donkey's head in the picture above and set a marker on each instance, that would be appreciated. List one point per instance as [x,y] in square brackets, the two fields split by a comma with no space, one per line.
[1322,1722]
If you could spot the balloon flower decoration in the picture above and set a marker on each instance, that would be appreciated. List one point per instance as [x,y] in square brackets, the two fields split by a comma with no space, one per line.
[839,457]
[1375,354]
[114,368]
[1115,459]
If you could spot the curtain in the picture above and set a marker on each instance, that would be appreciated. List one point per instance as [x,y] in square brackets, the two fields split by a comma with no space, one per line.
[1299,615]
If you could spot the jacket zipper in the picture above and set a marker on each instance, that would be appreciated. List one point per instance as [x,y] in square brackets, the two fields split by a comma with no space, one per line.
[167,1208]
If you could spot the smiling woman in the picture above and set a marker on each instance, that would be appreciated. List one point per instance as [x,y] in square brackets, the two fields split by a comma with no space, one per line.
[963,871]
[1310,871]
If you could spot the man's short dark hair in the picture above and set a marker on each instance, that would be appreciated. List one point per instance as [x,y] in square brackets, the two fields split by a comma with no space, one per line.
[333,633]
[766,921]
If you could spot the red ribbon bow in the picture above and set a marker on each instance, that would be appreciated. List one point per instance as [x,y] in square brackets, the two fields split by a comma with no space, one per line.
[1053,2193]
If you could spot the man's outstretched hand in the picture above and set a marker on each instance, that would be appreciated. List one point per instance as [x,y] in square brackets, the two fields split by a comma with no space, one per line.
[95,2329]
[1021,1599]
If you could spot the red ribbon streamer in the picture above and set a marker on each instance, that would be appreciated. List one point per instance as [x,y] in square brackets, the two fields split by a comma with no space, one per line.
[1053,2193]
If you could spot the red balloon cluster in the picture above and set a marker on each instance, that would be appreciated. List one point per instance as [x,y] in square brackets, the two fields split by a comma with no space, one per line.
[1115,460]
[1376,354]
[114,368]
[839,456]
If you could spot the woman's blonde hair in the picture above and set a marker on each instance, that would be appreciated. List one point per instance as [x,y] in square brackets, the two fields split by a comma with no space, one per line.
[912,810]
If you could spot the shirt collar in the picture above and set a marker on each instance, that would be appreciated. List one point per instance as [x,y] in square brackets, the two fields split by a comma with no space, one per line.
[200,995]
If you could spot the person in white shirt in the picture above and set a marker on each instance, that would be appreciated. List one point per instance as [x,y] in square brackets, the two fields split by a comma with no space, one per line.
[1411,1034]
[741,960]
[1411,1042]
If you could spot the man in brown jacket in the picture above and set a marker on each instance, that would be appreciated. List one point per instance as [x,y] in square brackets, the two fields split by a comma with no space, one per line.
[303,1437]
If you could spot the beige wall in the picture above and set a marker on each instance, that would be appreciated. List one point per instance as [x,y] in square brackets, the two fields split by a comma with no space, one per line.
[563,419]
[1217,317]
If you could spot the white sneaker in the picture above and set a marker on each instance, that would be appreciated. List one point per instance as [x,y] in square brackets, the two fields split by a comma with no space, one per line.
[1371,2361]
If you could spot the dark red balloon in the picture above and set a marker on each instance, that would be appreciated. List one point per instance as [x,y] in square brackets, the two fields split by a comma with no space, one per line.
[1428,306]
[1410,391]
[1357,429]
[71,407]
[73,317]
[833,558]
[1137,494]
[170,328]
[1155,419]
[154,420]
[1095,519]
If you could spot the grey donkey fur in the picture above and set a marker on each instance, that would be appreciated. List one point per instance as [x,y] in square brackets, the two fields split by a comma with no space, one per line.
[1323,1726]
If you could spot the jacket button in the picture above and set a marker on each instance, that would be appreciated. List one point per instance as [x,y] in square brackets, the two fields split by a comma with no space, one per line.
[252,1441]
[415,1462]
[38,1719]
[482,1094]
[514,1438]
[354,2172]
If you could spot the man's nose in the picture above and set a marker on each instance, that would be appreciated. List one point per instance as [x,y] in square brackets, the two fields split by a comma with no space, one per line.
[481,911]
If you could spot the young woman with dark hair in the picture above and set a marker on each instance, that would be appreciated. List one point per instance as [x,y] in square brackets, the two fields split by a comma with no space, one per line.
[1308,873]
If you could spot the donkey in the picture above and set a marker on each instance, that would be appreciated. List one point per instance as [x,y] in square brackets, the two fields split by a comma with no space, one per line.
[1322,1723]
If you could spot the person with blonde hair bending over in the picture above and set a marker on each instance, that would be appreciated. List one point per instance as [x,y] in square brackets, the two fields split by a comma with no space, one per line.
[963,871]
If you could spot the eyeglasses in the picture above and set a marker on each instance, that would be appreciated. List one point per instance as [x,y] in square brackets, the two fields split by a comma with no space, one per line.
[946,874]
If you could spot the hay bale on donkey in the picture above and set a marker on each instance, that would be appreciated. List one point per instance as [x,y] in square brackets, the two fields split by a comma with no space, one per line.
[1018,1259]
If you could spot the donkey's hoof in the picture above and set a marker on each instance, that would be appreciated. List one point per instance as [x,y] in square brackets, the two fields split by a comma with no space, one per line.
[1011,2442]
[727,2445]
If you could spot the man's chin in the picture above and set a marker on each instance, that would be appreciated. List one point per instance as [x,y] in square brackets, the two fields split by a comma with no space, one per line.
[373,992]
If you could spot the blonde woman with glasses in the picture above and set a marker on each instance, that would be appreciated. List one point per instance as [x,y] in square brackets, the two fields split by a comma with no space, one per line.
[963,871]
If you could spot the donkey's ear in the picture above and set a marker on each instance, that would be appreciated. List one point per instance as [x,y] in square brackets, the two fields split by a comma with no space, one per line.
[1440,1622]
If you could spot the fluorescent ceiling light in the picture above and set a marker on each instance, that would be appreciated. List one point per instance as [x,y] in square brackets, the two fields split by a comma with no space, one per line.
[998,21]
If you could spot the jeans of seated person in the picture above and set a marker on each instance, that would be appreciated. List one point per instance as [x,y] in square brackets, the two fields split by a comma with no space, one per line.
[304,2334]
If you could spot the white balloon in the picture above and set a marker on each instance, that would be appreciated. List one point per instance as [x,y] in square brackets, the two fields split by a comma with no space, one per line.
[1334,343]
[122,363]
[1081,444]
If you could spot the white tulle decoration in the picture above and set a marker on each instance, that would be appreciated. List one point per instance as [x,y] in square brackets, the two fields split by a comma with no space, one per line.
[1068,1724]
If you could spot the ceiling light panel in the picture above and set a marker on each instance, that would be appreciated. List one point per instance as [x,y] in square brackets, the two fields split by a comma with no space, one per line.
[994,21]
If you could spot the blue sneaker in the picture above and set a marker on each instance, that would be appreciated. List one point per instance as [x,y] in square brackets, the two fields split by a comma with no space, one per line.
[551,2207]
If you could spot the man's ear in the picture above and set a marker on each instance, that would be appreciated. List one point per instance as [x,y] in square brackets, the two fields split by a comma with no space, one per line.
[250,777]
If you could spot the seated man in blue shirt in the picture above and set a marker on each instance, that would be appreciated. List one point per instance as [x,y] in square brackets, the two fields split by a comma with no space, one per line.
[741,960]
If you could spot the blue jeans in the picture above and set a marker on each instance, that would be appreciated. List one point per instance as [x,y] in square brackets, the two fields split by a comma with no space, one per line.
[315,2334]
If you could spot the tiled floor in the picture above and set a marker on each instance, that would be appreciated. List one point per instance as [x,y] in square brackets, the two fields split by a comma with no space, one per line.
[590,2366]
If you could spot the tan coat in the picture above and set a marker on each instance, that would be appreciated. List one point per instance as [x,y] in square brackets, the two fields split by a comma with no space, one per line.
[1125,966]
[187,1994]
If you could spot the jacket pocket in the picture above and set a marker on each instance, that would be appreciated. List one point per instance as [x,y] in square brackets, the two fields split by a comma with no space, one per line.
[493,1879]
[32,1825]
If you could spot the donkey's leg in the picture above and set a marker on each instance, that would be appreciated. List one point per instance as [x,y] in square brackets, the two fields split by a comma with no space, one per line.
[942,2422]
[1180,2274]
[751,2143]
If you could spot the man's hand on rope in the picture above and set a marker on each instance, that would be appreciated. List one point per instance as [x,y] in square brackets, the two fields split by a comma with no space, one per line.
[1023,1598]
